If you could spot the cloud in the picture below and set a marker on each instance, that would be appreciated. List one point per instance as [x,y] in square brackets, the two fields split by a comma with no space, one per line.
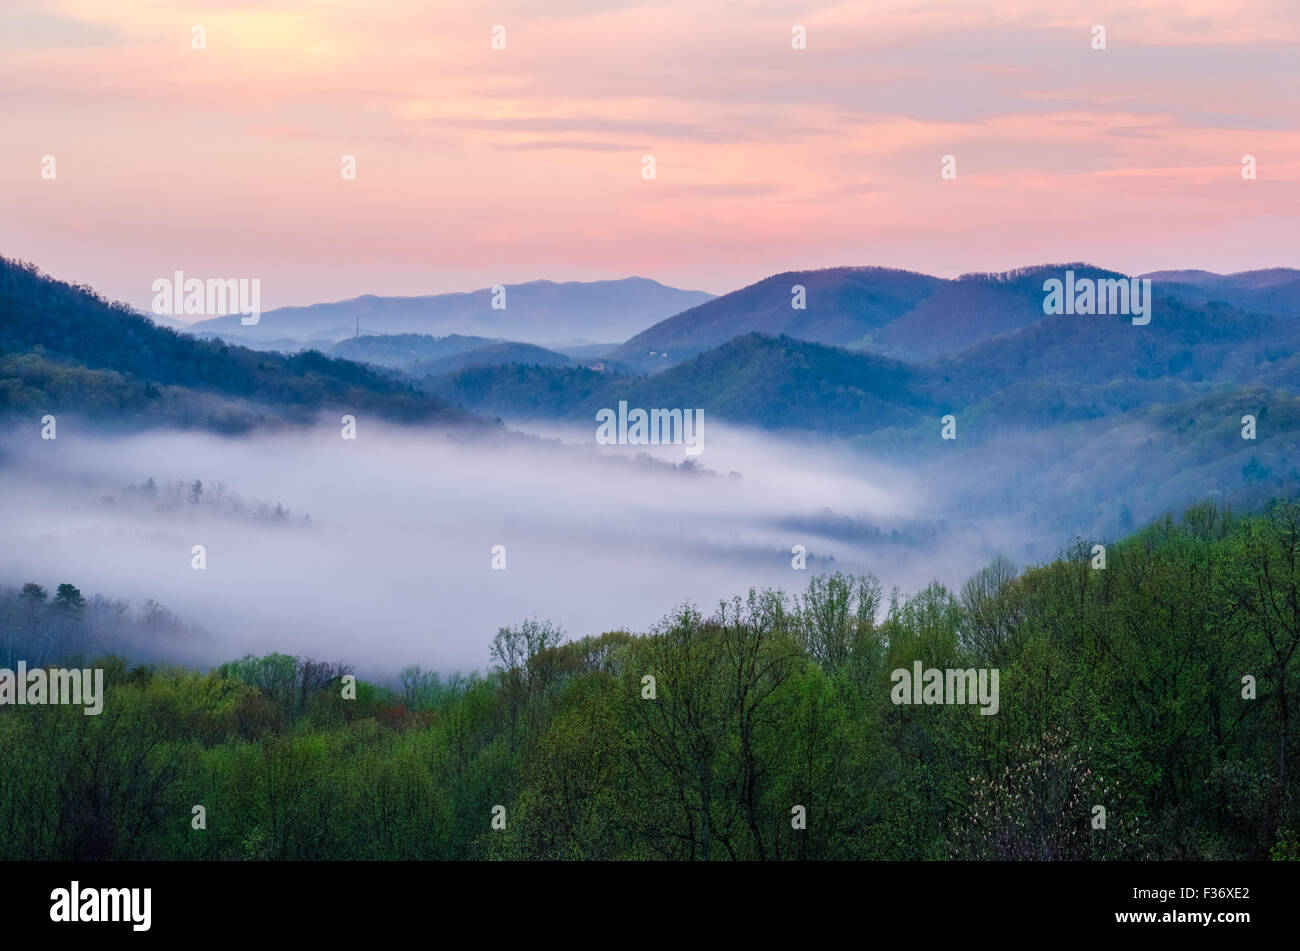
[35,28]
[245,137]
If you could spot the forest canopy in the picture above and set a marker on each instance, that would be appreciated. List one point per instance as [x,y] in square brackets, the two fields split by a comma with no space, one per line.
[1159,690]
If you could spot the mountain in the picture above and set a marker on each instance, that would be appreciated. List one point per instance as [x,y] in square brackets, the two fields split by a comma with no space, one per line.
[1055,369]
[521,391]
[401,351]
[65,349]
[842,305]
[1248,280]
[753,380]
[64,346]
[585,351]
[1061,443]
[422,355]
[540,312]
[783,383]
[1183,344]
[277,344]
[973,308]
[901,314]
[916,317]
[493,354]
[1270,291]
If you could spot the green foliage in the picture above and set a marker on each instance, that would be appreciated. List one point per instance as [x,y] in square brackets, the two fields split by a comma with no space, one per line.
[1120,688]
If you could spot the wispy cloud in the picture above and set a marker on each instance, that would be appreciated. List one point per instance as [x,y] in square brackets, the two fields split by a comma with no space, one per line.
[225,160]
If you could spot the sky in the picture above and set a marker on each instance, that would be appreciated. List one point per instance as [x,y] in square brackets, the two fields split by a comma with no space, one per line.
[476,165]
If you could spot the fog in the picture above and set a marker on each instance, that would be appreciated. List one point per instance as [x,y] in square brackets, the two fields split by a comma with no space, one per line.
[395,564]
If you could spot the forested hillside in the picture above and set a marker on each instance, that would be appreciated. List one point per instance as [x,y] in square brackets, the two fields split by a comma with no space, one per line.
[840,305]
[1189,344]
[1269,290]
[1207,363]
[405,350]
[916,317]
[66,349]
[972,309]
[772,383]
[1160,688]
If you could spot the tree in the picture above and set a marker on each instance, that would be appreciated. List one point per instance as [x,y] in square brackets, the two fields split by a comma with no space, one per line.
[699,749]
[513,646]
[512,649]
[835,614]
[69,603]
[417,685]
[33,595]
[1273,553]
[989,615]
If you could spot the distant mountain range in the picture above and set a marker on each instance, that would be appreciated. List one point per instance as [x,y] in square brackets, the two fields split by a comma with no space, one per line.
[1272,291]
[1055,421]
[768,382]
[1047,371]
[539,312]
[914,316]
[874,350]
[1058,416]
[897,313]
[841,305]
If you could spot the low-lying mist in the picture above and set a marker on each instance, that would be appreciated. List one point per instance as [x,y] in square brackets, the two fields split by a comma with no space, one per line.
[381,550]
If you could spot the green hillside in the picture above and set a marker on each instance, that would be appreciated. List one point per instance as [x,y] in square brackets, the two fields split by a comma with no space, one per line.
[66,349]
[1160,688]
[755,380]
[841,305]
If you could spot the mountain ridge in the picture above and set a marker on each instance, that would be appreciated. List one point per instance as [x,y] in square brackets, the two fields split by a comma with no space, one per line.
[539,312]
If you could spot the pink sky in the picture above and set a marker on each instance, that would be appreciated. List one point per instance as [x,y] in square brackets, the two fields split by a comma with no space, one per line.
[478,166]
